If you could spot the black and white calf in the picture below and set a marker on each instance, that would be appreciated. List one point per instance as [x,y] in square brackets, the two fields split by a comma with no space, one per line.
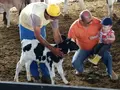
[33,50]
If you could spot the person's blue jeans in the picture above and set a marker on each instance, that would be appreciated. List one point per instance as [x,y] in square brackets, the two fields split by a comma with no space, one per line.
[28,34]
[81,55]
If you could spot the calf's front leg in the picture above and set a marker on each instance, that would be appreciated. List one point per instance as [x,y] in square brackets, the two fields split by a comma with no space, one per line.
[18,69]
[51,72]
[61,72]
[27,66]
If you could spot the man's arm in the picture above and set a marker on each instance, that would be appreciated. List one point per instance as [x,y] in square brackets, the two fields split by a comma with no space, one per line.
[56,32]
[40,38]
[57,36]
[36,23]
[56,51]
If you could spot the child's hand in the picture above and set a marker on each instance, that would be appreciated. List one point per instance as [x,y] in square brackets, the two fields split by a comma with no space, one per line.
[93,37]
[107,41]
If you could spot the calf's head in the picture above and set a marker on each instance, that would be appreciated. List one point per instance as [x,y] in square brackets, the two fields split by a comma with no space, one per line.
[68,45]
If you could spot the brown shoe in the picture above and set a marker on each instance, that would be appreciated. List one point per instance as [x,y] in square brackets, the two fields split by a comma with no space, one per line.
[114,76]
[46,80]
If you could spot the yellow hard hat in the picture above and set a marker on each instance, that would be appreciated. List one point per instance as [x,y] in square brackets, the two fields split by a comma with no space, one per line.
[53,10]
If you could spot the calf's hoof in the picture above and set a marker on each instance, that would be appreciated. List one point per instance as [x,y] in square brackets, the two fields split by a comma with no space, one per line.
[68,83]
[15,80]
[30,81]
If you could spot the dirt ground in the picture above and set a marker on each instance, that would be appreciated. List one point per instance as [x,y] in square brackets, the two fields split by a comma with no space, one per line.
[10,49]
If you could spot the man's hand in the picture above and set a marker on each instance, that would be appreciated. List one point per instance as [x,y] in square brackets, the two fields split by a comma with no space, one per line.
[57,52]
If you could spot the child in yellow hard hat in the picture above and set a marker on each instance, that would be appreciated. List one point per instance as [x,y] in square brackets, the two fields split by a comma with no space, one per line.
[106,36]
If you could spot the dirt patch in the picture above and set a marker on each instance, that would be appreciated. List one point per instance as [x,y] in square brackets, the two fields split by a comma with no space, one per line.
[93,77]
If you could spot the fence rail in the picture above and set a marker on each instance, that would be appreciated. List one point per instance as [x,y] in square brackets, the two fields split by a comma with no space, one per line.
[35,86]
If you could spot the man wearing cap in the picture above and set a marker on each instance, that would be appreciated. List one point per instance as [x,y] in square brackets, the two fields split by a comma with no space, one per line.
[81,30]
[32,25]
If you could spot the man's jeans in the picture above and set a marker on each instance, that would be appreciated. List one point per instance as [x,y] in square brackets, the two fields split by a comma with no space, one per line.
[27,34]
[81,55]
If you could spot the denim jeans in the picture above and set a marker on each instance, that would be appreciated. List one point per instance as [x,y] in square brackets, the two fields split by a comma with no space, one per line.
[28,34]
[81,55]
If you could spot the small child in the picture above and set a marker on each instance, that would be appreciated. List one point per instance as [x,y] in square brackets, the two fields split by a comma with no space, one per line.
[106,36]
